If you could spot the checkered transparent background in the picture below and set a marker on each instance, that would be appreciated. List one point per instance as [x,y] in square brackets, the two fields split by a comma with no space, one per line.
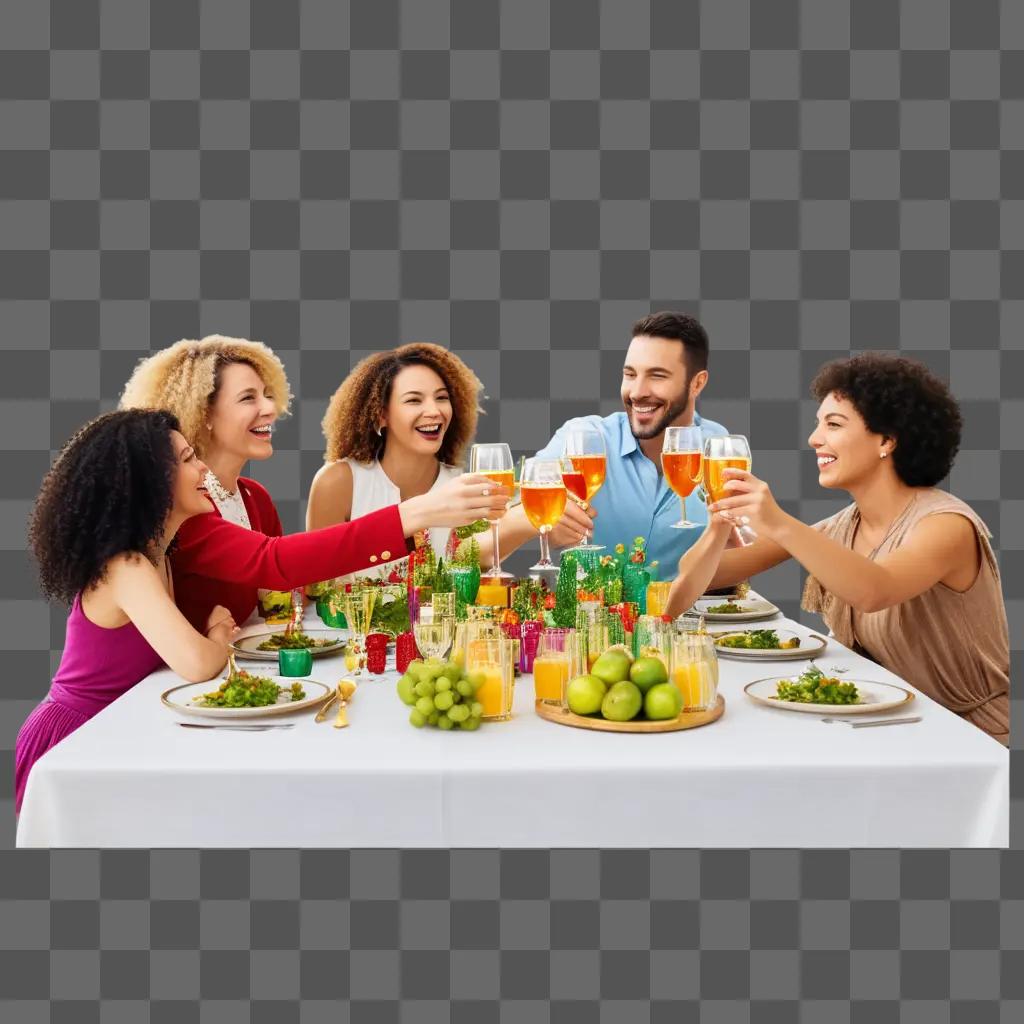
[520,180]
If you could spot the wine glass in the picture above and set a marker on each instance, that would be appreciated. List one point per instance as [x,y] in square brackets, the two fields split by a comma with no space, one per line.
[433,634]
[357,604]
[585,448]
[681,456]
[730,451]
[494,461]
[573,479]
[543,495]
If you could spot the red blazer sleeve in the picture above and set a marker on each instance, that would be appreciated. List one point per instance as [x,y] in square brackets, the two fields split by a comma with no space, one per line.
[261,508]
[210,546]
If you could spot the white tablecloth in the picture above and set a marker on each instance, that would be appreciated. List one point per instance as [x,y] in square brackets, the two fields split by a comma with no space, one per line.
[759,777]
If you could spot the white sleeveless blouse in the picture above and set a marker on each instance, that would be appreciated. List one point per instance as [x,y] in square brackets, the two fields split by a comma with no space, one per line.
[372,489]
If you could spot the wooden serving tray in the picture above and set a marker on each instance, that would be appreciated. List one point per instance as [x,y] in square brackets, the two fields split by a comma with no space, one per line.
[685,720]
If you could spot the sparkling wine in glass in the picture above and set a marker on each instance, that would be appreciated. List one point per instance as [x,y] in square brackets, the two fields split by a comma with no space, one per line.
[721,453]
[434,636]
[358,603]
[585,448]
[494,461]
[681,456]
[543,495]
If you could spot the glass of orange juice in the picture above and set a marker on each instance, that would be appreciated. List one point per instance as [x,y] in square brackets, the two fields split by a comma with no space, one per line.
[465,631]
[489,662]
[555,664]
[695,670]
[657,596]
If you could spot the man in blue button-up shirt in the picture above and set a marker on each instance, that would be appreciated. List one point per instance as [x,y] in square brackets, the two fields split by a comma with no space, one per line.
[664,371]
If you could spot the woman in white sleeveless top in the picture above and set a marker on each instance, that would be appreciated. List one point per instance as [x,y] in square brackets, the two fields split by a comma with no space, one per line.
[399,424]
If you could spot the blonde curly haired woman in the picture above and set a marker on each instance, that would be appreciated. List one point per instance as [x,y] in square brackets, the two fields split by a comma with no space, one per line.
[228,393]
[397,427]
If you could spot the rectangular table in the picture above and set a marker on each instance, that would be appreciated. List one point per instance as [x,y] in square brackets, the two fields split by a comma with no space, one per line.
[759,777]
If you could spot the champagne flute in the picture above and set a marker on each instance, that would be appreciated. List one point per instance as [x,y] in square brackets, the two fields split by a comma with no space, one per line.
[681,456]
[587,451]
[357,603]
[494,461]
[543,495]
[721,453]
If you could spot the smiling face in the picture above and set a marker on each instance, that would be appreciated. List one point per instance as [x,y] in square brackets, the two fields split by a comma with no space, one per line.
[656,387]
[419,410]
[189,492]
[847,452]
[241,415]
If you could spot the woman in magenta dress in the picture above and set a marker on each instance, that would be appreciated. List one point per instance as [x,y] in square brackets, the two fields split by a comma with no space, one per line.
[107,513]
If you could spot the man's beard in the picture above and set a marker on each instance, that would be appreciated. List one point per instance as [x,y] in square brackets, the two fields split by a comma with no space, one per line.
[658,426]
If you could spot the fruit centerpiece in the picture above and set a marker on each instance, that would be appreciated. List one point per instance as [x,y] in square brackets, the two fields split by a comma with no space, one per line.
[621,693]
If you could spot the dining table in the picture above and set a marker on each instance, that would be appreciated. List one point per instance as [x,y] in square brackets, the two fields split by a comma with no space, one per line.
[759,776]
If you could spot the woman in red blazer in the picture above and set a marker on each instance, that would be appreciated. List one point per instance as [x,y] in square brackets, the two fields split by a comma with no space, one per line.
[227,394]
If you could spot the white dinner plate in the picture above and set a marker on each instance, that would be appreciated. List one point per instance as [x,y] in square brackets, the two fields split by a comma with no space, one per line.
[874,697]
[182,699]
[248,646]
[754,608]
[729,594]
[810,647]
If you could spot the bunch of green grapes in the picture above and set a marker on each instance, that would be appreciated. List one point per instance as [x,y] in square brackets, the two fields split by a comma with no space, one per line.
[440,693]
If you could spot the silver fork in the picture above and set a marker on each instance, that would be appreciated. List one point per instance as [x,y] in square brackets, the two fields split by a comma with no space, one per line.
[237,728]
[837,720]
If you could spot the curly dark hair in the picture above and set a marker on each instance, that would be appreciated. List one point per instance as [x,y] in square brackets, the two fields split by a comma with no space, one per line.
[109,491]
[361,399]
[901,399]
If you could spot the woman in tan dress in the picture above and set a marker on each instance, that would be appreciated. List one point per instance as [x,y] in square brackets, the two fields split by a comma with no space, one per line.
[905,574]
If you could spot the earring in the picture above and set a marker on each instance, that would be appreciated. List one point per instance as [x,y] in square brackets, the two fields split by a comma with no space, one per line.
[883,455]
[378,430]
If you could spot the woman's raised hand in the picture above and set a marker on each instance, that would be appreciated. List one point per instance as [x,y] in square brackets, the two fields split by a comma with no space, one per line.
[458,502]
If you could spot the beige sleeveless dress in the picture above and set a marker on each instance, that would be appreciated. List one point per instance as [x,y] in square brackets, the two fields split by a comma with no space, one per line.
[953,646]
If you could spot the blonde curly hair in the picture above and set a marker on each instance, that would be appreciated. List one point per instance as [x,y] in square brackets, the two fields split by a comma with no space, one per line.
[358,405]
[184,379]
